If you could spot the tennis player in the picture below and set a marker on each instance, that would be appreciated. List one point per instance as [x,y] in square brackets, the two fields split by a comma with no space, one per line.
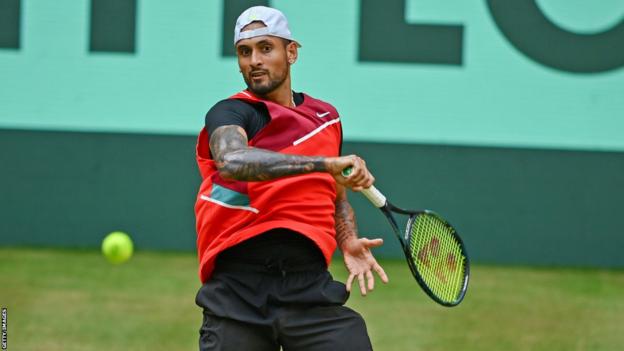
[272,208]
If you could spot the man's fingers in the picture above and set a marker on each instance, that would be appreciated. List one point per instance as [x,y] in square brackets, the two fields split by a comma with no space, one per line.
[354,181]
[371,280]
[381,273]
[362,284]
[358,175]
[349,282]
[365,181]
[363,176]
[360,178]
[373,242]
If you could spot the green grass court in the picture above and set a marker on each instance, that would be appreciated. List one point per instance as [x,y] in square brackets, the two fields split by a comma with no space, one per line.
[74,300]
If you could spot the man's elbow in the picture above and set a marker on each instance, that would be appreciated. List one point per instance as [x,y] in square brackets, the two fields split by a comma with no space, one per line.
[228,167]
[226,172]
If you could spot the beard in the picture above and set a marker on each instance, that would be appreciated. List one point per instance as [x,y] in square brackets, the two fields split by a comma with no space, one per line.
[273,82]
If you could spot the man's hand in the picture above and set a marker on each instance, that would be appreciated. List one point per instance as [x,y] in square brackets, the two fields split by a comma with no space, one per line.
[360,263]
[360,178]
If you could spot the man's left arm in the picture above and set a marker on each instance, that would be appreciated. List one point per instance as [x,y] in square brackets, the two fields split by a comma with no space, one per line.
[358,257]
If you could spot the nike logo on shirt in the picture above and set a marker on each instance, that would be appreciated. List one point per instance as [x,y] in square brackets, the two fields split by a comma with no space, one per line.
[321,115]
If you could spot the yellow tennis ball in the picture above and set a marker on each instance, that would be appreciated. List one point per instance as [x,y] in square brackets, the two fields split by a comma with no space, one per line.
[117,247]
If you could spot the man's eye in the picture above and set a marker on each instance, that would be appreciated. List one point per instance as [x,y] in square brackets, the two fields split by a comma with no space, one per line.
[266,48]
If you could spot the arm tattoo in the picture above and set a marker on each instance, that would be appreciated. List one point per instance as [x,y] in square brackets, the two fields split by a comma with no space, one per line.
[345,221]
[236,160]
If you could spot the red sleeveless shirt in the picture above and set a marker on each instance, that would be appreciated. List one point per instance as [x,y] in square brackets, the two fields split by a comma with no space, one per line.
[229,212]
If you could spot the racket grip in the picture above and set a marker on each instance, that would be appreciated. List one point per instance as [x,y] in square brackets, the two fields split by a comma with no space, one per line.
[375,196]
[372,194]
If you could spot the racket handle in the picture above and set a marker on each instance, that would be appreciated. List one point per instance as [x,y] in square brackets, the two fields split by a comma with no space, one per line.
[375,196]
[372,194]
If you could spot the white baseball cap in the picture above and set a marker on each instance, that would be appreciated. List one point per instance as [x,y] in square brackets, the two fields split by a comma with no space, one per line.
[274,20]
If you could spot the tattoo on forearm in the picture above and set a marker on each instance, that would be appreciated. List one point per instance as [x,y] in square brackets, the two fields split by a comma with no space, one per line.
[236,160]
[226,139]
[345,221]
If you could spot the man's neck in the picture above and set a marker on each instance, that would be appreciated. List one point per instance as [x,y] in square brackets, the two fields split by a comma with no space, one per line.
[282,95]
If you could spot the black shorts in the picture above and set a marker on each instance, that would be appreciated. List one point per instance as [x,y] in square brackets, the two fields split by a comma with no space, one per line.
[264,307]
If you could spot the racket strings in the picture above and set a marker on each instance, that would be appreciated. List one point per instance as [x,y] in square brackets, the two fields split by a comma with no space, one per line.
[437,256]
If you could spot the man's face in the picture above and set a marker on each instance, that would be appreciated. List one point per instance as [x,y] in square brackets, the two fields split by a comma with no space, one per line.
[263,61]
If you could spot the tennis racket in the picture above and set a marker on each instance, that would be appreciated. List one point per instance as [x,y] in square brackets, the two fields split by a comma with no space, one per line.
[435,253]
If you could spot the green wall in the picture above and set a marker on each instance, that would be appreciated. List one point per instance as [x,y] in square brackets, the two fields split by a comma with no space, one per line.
[520,206]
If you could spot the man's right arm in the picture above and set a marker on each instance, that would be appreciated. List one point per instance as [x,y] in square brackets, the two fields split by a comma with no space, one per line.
[236,160]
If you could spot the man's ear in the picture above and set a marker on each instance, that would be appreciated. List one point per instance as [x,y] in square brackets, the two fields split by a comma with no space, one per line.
[292,52]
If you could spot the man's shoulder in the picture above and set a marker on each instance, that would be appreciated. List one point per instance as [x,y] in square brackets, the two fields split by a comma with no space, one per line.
[230,103]
[311,98]
[320,104]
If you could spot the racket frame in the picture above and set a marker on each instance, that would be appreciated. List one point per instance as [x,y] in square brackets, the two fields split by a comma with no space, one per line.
[387,209]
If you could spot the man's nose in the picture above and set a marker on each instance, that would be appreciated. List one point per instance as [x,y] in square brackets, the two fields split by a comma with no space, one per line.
[256,58]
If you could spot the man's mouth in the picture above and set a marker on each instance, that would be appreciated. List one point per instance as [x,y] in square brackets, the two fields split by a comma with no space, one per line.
[256,74]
